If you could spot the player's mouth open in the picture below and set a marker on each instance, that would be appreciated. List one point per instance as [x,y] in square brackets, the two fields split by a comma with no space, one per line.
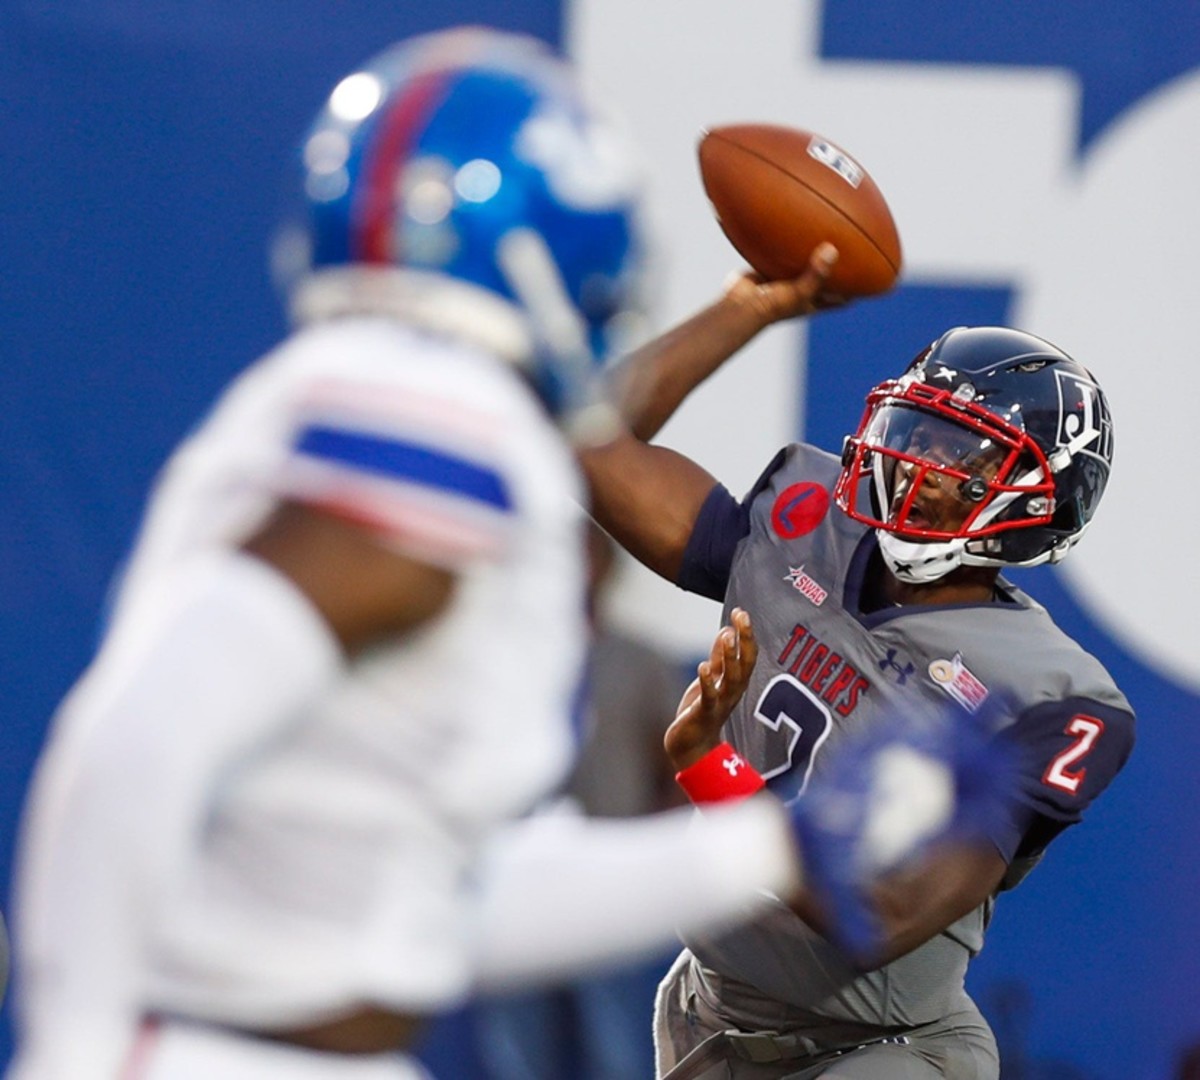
[916,518]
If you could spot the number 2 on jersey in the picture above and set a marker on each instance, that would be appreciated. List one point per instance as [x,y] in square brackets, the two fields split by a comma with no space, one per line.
[1086,729]
[803,722]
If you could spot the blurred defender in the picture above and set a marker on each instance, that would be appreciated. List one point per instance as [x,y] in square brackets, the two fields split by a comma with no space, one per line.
[349,640]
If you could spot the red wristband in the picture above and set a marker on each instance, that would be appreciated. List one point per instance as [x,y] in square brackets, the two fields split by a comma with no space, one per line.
[720,776]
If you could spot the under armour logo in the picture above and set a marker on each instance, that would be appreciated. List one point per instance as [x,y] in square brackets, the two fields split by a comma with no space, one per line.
[733,763]
[902,673]
[944,372]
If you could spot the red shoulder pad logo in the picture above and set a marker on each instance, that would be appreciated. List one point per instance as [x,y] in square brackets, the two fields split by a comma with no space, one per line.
[799,509]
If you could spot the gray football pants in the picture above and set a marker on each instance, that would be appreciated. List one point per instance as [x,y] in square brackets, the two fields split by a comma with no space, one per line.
[693,1043]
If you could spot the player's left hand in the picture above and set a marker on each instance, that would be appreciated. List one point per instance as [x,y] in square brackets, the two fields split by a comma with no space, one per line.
[720,682]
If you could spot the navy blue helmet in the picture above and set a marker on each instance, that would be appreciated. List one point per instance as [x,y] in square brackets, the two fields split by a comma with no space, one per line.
[1015,429]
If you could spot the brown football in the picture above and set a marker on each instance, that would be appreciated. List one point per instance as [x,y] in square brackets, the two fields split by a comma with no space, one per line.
[778,192]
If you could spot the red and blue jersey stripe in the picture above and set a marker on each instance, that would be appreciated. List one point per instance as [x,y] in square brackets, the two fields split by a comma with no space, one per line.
[397,459]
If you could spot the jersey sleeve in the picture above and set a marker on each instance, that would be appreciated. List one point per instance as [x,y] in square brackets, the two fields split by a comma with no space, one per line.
[418,470]
[720,526]
[1067,752]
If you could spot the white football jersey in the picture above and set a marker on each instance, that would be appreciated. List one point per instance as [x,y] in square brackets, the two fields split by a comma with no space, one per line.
[332,865]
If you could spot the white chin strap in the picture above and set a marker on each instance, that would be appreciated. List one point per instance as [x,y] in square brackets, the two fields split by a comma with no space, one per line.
[920,563]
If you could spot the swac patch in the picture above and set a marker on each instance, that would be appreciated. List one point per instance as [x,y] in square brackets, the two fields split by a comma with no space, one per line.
[956,679]
[806,585]
[799,509]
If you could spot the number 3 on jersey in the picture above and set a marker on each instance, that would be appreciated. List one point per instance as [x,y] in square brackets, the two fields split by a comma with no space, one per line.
[800,723]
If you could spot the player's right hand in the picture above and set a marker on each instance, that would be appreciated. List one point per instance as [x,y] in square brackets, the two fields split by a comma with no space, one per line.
[720,682]
[791,297]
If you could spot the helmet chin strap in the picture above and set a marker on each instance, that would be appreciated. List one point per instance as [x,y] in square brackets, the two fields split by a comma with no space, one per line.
[918,563]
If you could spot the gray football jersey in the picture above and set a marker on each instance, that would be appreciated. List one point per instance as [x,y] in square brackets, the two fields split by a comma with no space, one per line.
[799,565]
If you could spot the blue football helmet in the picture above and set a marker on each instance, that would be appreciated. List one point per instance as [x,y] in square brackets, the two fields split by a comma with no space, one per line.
[460,180]
[992,449]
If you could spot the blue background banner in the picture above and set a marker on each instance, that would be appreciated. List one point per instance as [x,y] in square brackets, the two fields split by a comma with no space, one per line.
[145,145]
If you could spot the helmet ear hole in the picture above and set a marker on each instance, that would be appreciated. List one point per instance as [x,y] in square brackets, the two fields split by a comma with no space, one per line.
[974,490]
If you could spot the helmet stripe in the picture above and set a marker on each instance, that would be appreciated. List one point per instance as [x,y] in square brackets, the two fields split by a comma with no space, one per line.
[400,127]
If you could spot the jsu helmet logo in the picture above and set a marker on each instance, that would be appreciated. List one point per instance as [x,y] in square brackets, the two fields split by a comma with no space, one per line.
[1084,424]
